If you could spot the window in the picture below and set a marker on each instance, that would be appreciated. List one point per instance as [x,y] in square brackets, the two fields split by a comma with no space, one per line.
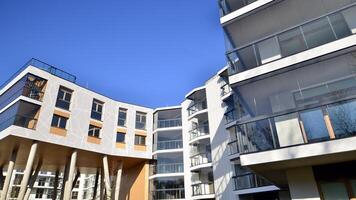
[59,122]
[140,140]
[41,181]
[76,184]
[64,97]
[318,33]
[74,195]
[97,109]
[291,42]
[141,120]
[120,137]
[39,193]
[122,117]
[94,131]
[50,193]
[18,179]
[15,192]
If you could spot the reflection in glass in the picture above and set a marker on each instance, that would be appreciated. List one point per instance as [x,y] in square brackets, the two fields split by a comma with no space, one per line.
[314,125]
[343,118]
[291,42]
[318,32]
[339,25]
[333,191]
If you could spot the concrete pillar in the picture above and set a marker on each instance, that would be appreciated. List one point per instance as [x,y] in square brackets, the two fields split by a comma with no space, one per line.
[55,185]
[28,169]
[102,187]
[302,184]
[118,181]
[96,184]
[10,169]
[107,177]
[33,180]
[65,177]
[69,181]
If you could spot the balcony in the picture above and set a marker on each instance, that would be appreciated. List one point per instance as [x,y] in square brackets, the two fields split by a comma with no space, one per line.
[196,107]
[166,145]
[174,193]
[233,147]
[230,116]
[202,189]
[248,181]
[200,159]
[19,120]
[167,168]
[297,39]
[199,131]
[228,6]
[313,125]
[225,90]
[168,123]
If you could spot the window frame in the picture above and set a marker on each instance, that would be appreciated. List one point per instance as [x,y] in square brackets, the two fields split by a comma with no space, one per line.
[93,129]
[138,140]
[123,134]
[122,110]
[140,116]
[60,118]
[95,109]
[66,91]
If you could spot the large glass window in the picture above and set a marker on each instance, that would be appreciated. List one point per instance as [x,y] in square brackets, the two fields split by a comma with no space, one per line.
[343,118]
[122,117]
[141,120]
[314,125]
[97,109]
[318,32]
[340,26]
[292,42]
[334,190]
[63,98]
[59,121]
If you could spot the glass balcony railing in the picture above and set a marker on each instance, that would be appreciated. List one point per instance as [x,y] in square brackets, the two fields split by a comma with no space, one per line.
[230,116]
[312,34]
[200,159]
[199,131]
[233,147]
[169,123]
[167,168]
[225,89]
[248,181]
[165,145]
[314,124]
[228,6]
[196,107]
[172,193]
[203,189]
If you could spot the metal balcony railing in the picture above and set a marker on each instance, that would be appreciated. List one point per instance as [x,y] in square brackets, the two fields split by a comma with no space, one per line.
[167,168]
[228,6]
[225,89]
[169,123]
[43,66]
[199,131]
[171,193]
[230,116]
[203,189]
[201,158]
[171,144]
[196,107]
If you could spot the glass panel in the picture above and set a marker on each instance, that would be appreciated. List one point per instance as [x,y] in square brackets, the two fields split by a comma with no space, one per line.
[291,42]
[269,50]
[314,125]
[353,186]
[247,58]
[334,191]
[318,32]
[255,136]
[339,25]
[343,118]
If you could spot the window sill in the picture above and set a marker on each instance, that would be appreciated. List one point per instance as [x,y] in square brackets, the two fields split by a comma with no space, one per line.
[58,131]
[93,140]
[138,147]
[120,145]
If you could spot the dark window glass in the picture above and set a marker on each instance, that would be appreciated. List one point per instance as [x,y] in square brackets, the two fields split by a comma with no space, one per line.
[140,120]
[314,125]
[122,117]
[59,121]
[120,137]
[291,42]
[339,25]
[63,98]
[318,32]
[140,140]
[94,131]
[97,109]
[343,119]
[247,58]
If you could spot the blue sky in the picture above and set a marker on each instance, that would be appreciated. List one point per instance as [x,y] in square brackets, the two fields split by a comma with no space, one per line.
[146,52]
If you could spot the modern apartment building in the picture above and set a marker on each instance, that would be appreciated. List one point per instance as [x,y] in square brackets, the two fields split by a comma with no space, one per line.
[290,114]
[277,123]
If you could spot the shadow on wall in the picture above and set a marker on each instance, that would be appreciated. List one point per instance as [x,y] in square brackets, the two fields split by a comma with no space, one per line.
[134,182]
